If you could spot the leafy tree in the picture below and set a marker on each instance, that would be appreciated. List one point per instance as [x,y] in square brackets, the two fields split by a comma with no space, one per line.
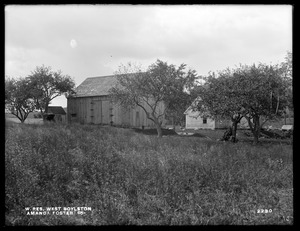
[286,69]
[47,85]
[180,93]
[177,107]
[263,94]
[160,84]
[18,98]
[287,66]
[256,92]
[217,99]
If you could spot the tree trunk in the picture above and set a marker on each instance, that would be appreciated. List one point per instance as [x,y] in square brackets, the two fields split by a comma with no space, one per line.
[158,127]
[45,112]
[284,118]
[46,108]
[255,141]
[159,130]
[235,119]
[254,127]
[21,118]
[256,130]
[234,128]
[277,105]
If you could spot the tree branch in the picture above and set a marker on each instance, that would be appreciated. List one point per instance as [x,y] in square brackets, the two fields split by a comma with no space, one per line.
[147,113]
[17,115]
[164,112]
[58,94]
[264,122]
[249,122]
[277,105]
[146,101]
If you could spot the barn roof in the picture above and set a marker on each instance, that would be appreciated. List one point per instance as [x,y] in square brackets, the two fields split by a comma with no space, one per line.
[56,110]
[96,86]
[99,86]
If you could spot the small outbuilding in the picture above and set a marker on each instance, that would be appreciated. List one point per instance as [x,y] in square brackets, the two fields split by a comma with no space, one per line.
[58,113]
[196,120]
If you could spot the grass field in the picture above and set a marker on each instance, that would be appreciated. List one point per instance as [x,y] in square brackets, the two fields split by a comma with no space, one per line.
[29,120]
[128,177]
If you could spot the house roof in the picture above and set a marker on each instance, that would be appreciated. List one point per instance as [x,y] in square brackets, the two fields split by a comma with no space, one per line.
[194,103]
[56,110]
[95,86]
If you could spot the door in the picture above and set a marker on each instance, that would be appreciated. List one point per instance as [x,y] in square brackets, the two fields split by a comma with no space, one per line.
[106,112]
[97,111]
[137,119]
[125,117]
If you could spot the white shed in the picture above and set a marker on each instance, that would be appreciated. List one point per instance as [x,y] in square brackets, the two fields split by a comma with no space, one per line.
[196,120]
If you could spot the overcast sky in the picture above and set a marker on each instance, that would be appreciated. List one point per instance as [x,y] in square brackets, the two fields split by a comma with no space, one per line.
[93,40]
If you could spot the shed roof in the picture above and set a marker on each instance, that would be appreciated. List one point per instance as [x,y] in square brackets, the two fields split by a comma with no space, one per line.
[194,103]
[96,86]
[56,110]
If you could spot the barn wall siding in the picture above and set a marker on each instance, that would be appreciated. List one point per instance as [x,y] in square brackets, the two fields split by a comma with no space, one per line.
[100,110]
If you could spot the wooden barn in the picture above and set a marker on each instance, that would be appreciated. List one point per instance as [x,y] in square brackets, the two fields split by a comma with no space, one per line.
[196,120]
[92,105]
[58,112]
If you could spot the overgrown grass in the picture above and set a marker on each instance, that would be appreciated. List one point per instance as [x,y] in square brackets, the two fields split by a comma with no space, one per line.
[132,178]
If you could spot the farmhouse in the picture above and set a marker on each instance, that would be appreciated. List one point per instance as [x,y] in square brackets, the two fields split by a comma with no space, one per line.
[58,112]
[196,120]
[92,105]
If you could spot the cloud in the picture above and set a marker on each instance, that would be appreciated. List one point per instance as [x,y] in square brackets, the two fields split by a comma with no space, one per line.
[207,37]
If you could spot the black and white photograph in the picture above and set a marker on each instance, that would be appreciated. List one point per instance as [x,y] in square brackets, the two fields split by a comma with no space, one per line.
[148,115]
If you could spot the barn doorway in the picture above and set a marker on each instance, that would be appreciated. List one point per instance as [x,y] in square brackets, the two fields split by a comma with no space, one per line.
[137,119]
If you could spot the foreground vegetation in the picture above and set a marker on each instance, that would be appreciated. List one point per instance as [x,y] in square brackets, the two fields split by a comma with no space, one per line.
[133,178]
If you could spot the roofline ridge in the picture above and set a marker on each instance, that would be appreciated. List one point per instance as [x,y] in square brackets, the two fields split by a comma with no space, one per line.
[104,76]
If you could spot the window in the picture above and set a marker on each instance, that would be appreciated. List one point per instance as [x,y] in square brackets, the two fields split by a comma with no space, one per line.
[204,120]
